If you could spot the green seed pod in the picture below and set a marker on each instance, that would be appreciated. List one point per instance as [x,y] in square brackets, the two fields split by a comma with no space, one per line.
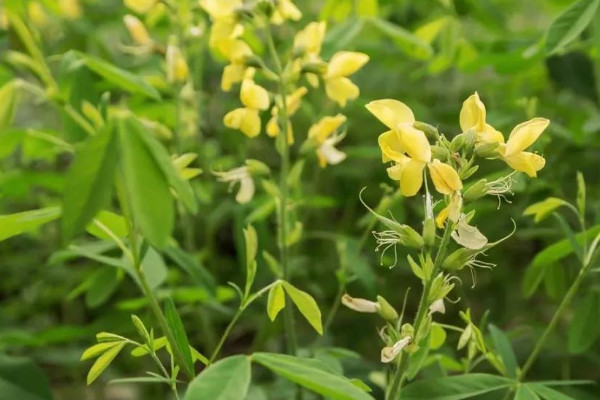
[440,152]
[476,190]
[386,311]
[256,167]
[429,232]
[457,260]
[410,237]
[487,150]
[458,142]
[407,330]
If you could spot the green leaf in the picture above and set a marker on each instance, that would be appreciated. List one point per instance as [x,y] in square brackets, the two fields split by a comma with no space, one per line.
[276,301]
[15,224]
[570,24]
[504,348]
[104,283]
[178,331]
[437,337]
[454,387]
[227,379]
[311,374]
[97,349]
[115,223]
[584,328]
[158,344]
[117,76]
[547,393]
[104,361]
[21,379]
[307,306]
[164,162]
[542,209]
[251,240]
[8,104]
[409,43]
[341,35]
[524,392]
[154,268]
[581,193]
[89,183]
[145,184]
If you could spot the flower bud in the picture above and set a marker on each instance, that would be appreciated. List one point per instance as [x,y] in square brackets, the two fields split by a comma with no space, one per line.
[314,67]
[476,190]
[177,68]
[429,232]
[407,330]
[430,131]
[386,311]
[410,237]
[256,167]
[137,30]
[440,152]
[487,150]
[360,305]
[457,260]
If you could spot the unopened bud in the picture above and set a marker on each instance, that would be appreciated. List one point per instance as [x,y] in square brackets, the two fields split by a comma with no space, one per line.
[407,330]
[177,68]
[386,311]
[360,305]
[476,190]
[487,150]
[440,152]
[256,167]
[411,238]
[137,30]
[457,260]
[430,131]
[318,68]
[429,232]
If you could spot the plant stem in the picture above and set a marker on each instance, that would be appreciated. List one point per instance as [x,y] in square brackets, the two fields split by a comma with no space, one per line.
[288,316]
[586,264]
[399,375]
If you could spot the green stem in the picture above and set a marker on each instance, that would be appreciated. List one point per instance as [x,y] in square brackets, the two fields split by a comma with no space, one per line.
[557,316]
[400,372]
[288,316]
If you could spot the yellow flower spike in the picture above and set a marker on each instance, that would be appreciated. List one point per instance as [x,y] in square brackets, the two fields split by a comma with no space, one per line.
[254,96]
[137,30]
[391,112]
[140,6]
[285,9]
[472,116]
[345,63]
[246,120]
[410,174]
[391,146]
[177,68]
[326,127]
[310,39]
[444,177]
[218,9]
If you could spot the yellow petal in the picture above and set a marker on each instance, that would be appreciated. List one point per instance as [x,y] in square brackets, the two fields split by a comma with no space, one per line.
[441,217]
[525,134]
[490,135]
[391,146]
[310,39]
[293,100]
[412,178]
[273,127]
[136,29]
[223,30]
[70,8]
[526,162]
[285,10]
[415,143]
[218,9]
[234,50]
[140,6]
[232,73]
[253,95]
[444,177]
[391,112]
[472,114]
[177,68]
[326,127]
[341,90]
[245,119]
[345,63]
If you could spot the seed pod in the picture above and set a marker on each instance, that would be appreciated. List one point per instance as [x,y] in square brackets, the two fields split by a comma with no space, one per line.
[457,260]
[440,152]
[411,238]
[429,232]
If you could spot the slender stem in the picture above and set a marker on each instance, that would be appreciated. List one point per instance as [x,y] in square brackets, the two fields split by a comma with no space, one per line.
[556,317]
[288,316]
[400,372]
[243,306]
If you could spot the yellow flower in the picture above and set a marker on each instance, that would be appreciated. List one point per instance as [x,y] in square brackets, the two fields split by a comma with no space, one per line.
[70,8]
[177,68]
[224,30]
[343,64]
[310,39]
[444,177]
[472,117]
[452,211]
[410,150]
[244,119]
[140,6]
[37,14]
[218,9]
[137,30]
[242,176]
[292,102]
[285,9]
[521,137]
[323,134]
[254,96]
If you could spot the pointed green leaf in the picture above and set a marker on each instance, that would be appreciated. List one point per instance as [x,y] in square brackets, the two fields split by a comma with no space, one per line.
[311,374]
[8,104]
[580,193]
[276,301]
[107,220]
[570,24]
[504,348]
[251,240]
[145,185]
[178,331]
[454,387]
[97,349]
[104,361]
[227,379]
[15,224]
[307,306]
[542,209]
[104,283]
[584,328]
[524,392]
[548,393]
[21,379]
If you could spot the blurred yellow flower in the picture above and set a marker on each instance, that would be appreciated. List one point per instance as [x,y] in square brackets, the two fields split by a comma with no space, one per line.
[472,116]
[337,85]
[254,96]
[140,6]
[37,14]
[137,30]
[218,9]
[177,68]
[70,8]
[444,177]
[247,119]
[309,40]
[323,133]
[292,102]
[521,137]
[284,10]
[242,176]
[225,26]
